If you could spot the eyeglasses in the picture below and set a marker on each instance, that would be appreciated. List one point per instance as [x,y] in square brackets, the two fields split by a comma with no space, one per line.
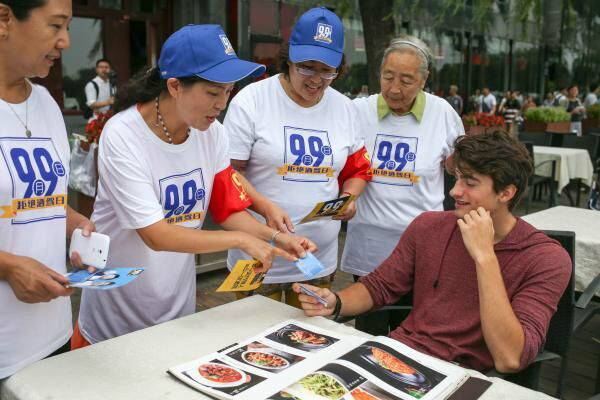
[324,75]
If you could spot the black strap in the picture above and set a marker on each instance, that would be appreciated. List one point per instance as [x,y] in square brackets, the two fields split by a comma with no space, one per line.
[97,89]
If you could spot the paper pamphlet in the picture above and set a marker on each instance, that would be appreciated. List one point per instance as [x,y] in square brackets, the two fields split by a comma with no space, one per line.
[295,360]
[327,209]
[105,279]
[243,277]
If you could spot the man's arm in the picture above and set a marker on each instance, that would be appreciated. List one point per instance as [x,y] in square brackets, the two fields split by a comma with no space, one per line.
[502,331]
[355,299]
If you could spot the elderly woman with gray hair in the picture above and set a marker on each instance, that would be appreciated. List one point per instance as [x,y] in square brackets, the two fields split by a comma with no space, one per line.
[409,134]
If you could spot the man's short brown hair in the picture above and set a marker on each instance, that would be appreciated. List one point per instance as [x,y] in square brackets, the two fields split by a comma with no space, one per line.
[497,155]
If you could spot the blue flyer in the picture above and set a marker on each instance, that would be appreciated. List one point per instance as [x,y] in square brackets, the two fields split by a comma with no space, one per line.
[105,279]
[309,265]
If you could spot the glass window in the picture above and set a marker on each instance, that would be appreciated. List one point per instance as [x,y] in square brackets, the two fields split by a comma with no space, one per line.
[447,69]
[79,61]
[144,6]
[525,67]
[488,63]
[112,4]
[264,17]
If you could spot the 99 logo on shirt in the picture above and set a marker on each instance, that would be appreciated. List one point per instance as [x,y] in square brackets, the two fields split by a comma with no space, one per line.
[183,198]
[308,155]
[39,180]
[393,160]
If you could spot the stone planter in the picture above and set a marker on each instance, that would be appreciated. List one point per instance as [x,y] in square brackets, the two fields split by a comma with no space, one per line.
[590,125]
[553,127]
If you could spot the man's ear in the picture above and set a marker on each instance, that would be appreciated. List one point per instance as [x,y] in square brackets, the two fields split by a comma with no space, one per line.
[6,17]
[507,194]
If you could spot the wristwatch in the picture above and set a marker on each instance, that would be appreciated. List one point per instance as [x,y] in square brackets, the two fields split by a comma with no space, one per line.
[338,306]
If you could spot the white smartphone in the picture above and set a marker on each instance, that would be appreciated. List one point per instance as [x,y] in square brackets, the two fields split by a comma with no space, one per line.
[93,249]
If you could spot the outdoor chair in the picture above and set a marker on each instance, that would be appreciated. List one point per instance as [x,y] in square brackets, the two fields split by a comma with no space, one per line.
[539,182]
[591,143]
[560,330]
[537,138]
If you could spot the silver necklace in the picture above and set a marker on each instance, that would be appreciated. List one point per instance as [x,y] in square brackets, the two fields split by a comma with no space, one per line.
[162,123]
[27,130]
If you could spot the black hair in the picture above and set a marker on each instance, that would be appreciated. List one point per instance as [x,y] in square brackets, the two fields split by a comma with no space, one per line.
[22,8]
[103,60]
[495,154]
[283,58]
[145,86]
[593,87]
[572,86]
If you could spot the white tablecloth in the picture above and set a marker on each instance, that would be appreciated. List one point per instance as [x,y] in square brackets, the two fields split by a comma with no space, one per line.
[134,366]
[570,164]
[586,225]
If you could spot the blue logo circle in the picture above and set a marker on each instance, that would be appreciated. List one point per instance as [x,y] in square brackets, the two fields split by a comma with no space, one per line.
[39,187]
[307,159]
[410,157]
[58,168]
[390,164]
[179,210]
[200,193]
[326,150]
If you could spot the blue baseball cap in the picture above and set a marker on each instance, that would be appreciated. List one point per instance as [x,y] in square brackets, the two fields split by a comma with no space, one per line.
[204,51]
[318,36]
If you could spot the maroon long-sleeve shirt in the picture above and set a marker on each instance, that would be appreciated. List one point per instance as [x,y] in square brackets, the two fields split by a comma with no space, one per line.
[431,261]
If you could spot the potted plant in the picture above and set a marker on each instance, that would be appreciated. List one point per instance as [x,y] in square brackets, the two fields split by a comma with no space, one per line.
[547,119]
[480,122]
[593,118]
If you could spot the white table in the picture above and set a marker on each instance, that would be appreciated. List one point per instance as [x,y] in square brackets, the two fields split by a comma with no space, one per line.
[570,164]
[134,366]
[586,225]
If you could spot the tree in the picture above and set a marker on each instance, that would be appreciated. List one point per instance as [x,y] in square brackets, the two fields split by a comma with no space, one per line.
[378,29]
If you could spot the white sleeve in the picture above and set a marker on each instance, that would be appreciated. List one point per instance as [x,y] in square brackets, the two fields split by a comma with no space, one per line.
[223,158]
[239,125]
[127,180]
[454,129]
[90,94]
[357,135]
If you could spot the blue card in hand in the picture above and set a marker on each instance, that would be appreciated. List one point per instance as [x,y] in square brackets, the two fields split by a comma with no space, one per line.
[309,265]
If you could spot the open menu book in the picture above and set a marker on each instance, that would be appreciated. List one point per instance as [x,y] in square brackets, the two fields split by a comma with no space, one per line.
[298,361]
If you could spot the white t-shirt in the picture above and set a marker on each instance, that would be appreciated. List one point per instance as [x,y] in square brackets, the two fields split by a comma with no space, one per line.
[389,204]
[142,181]
[103,93]
[270,130]
[590,100]
[489,101]
[33,177]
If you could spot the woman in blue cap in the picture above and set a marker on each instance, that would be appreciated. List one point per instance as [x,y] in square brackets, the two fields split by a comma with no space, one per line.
[293,137]
[163,163]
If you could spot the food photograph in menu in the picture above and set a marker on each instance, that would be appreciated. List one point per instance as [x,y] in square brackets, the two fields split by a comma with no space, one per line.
[267,358]
[223,377]
[333,382]
[302,339]
[395,369]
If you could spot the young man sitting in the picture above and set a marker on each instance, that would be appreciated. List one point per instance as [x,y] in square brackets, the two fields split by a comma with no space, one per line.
[485,283]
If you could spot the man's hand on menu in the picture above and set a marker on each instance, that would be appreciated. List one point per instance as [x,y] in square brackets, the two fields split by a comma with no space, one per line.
[310,305]
[33,282]
[297,245]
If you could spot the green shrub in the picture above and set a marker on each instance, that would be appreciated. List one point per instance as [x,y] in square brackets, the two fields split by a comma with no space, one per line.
[547,114]
[593,112]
